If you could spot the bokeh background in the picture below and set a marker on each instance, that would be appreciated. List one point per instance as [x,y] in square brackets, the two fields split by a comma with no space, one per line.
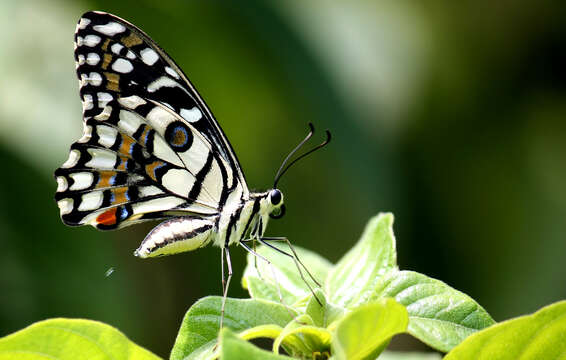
[449,114]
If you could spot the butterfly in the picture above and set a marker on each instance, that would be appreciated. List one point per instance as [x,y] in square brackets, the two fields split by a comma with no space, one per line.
[151,149]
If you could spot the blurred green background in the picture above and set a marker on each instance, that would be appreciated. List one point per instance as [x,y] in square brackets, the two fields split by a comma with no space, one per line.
[449,114]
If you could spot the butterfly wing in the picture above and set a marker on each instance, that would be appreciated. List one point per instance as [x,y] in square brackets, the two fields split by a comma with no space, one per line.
[151,148]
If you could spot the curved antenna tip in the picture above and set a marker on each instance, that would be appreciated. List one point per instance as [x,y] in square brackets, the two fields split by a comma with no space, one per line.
[328,136]
[311,126]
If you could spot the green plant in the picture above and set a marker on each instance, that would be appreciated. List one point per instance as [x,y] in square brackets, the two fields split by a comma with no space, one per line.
[365,300]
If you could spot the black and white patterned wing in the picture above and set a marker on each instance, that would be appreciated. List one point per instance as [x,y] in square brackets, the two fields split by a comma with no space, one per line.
[151,147]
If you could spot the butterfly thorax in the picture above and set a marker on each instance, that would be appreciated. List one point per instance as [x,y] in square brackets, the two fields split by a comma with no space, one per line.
[247,219]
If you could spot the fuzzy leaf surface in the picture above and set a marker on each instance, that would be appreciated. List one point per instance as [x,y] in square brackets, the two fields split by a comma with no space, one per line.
[70,339]
[352,280]
[293,288]
[365,331]
[199,329]
[439,315]
[541,335]
[234,348]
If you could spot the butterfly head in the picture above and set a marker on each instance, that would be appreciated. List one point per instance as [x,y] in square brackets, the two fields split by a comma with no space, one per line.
[275,204]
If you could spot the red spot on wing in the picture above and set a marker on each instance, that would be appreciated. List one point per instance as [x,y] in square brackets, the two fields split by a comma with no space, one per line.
[107,218]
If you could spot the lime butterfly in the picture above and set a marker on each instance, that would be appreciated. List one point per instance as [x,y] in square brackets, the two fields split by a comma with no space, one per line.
[151,149]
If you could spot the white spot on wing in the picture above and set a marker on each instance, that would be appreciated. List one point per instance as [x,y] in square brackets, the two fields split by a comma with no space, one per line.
[159,204]
[81,59]
[103,99]
[195,157]
[81,180]
[61,184]
[93,78]
[160,118]
[172,72]
[91,201]
[106,135]
[110,29]
[149,56]
[101,159]
[161,82]
[178,181]
[87,134]
[73,159]
[83,22]
[87,102]
[122,66]
[131,102]
[191,115]
[149,191]
[116,47]
[91,40]
[65,206]
[213,182]
[105,114]
[164,151]
[92,58]
[129,122]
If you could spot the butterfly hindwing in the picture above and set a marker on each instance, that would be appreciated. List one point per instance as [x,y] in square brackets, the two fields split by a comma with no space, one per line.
[124,169]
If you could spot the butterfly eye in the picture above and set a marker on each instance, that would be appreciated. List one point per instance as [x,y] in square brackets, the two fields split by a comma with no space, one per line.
[275,196]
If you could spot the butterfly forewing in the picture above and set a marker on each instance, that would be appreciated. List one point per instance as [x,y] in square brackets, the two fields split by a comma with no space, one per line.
[150,148]
[138,66]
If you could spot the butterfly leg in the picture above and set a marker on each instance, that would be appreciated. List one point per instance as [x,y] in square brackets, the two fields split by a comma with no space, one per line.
[222,267]
[295,257]
[248,249]
[255,260]
[225,285]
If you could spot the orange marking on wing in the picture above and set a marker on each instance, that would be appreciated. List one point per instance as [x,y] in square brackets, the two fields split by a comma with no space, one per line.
[143,135]
[180,138]
[112,81]
[105,45]
[108,217]
[131,40]
[120,195]
[126,145]
[104,179]
[106,61]
[150,169]
[122,165]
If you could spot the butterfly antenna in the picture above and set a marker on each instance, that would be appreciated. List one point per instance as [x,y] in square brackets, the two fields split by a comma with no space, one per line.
[280,171]
[320,146]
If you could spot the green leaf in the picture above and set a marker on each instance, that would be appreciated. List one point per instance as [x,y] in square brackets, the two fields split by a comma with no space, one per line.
[199,329]
[293,288]
[70,339]
[352,280]
[541,335]
[301,339]
[266,290]
[325,314]
[401,355]
[315,310]
[234,348]
[439,315]
[261,331]
[366,331]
